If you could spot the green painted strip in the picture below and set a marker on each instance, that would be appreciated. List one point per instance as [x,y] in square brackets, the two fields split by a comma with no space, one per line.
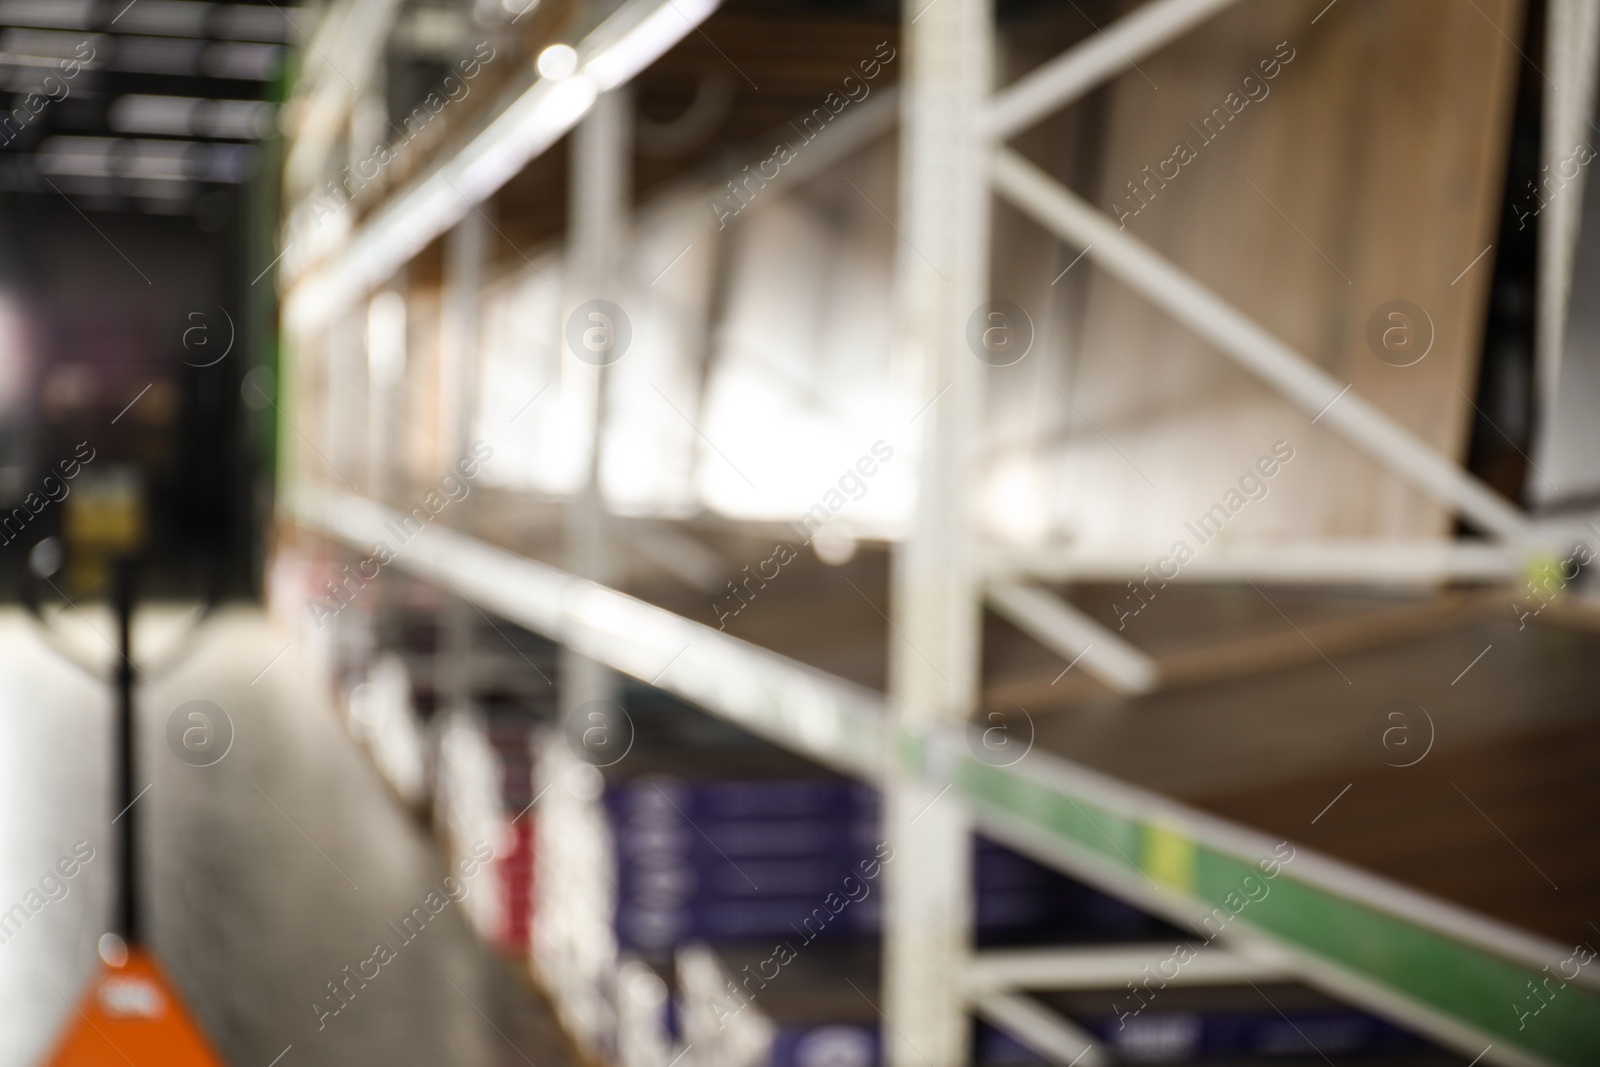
[1458,980]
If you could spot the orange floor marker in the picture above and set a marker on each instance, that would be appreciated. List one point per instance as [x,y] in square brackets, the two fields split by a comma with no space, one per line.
[132,1014]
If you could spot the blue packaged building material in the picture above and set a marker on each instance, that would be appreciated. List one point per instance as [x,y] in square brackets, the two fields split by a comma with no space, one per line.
[826,1045]
[747,859]
[737,859]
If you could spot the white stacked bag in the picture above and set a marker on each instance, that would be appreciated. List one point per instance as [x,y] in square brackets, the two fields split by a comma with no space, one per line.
[382,716]
[469,814]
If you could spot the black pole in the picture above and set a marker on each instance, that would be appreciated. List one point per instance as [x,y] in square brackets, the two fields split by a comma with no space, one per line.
[127,884]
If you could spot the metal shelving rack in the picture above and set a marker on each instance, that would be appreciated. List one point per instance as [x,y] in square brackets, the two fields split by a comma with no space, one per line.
[1438,969]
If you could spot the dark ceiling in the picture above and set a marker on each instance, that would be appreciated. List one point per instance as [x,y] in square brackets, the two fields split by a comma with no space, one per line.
[144,105]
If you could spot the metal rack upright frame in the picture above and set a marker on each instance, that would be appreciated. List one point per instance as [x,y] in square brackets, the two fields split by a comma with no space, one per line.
[1439,969]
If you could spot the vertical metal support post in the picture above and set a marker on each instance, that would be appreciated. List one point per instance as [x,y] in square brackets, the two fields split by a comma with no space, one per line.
[941,279]
[465,248]
[464,251]
[599,205]
[386,372]
[127,912]
[598,221]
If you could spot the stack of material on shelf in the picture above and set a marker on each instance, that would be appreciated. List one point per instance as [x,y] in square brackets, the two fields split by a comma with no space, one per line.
[512,739]
[1236,1024]
[1019,901]
[382,716]
[704,835]
[469,812]
[819,1008]
[644,1031]
[714,1033]
[483,756]
[745,1008]
[739,859]
[334,646]
[574,944]
[513,687]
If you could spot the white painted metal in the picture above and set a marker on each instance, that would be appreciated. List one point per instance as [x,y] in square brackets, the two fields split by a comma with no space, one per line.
[1062,80]
[1236,335]
[1110,967]
[1042,1030]
[1385,563]
[821,717]
[598,208]
[1070,633]
[466,247]
[520,131]
[941,277]
[386,374]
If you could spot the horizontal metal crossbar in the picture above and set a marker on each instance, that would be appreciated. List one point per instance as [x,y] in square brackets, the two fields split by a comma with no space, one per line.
[1103,967]
[1041,1029]
[1058,82]
[1347,562]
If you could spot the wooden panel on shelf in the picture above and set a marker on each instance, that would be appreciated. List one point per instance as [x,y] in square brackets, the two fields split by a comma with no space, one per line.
[1368,170]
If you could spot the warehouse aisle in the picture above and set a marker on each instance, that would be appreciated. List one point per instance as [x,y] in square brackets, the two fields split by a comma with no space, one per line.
[267,873]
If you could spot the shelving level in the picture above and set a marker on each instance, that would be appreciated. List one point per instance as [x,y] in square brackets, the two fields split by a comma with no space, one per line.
[656,382]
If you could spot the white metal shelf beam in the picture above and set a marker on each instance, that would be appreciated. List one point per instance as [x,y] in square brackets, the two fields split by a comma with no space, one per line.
[1042,1030]
[1058,82]
[803,709]
[1353,562]
[1068,632]
[1110,967]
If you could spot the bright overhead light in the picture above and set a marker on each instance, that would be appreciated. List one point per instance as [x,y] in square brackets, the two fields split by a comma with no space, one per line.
[188,116]
[145,160]
[43,48]
[165,18]
[558,61]
[59,14]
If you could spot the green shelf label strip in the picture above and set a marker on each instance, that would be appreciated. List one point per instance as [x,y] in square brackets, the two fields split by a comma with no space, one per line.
[1516,1005]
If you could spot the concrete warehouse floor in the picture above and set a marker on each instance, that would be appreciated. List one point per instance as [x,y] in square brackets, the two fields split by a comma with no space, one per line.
[265,874]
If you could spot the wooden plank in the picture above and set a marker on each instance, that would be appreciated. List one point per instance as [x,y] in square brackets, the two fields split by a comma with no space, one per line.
[1330,195]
